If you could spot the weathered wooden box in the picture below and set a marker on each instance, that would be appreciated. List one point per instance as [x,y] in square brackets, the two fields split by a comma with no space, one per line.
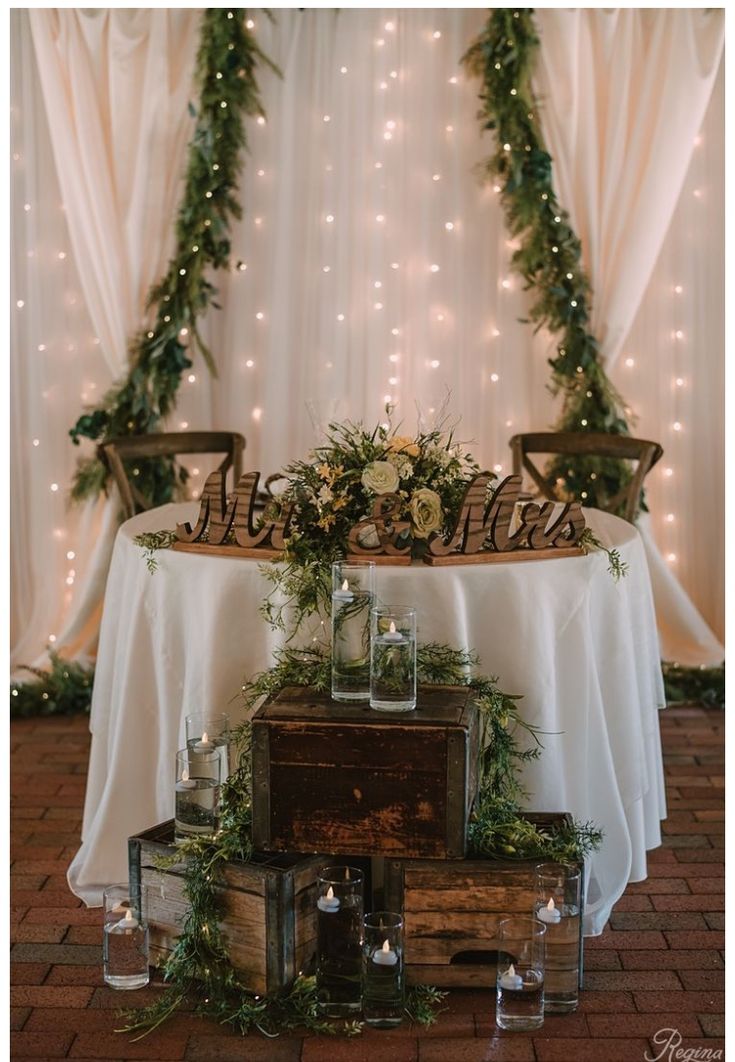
[269,904]
[452,910]
[340,778]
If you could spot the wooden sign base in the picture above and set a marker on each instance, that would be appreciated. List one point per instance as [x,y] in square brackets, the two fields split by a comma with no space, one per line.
[490,556]
[205,549]
[381,558]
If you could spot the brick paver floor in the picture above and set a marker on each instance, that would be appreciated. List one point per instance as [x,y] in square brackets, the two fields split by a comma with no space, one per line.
[658,965]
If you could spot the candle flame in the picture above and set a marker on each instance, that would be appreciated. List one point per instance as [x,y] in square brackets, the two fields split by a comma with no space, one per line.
[205,738]
[386,946]
[347,873]
[345,585]
[128,915]
[392,628]
[330,893]
[185,775]
[551,906]
[511,971]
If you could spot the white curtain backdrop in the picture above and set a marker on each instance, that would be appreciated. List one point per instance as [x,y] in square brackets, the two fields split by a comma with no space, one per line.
[376,266]
[115,87]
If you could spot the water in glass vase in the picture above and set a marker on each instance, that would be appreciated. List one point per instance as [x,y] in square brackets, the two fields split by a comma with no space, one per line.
[393,673]
[562,960]
[521,1006]
[125,954]
[351,645]
[339,960]
[197,808]
[382,995]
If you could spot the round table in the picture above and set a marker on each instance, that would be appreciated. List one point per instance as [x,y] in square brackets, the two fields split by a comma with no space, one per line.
[581,649]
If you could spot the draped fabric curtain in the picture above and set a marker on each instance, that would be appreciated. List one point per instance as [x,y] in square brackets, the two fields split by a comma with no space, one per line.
[376,264]
[114,86]
[624,95]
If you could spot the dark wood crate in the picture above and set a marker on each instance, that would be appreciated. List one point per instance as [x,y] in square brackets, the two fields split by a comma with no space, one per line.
[269,908]
[451,912]
[341,778]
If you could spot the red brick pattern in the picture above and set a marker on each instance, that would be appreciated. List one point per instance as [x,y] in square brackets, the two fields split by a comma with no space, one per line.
[659,964]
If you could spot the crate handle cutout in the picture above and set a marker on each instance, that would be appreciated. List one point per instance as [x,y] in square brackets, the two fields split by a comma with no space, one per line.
[474,958]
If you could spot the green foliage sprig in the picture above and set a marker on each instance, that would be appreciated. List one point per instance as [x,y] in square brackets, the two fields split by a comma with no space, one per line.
[228,92]
[694,685]
[64,690]
[549,257]
[589,543]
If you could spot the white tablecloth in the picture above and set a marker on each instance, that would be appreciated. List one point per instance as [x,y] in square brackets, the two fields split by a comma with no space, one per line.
[582,649]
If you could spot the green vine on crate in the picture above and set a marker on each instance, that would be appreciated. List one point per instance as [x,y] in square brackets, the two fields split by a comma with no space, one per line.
[228,92]
[549,257]
[199,967]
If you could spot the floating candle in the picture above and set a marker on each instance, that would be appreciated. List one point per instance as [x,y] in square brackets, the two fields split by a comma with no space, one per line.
[345,594]
[385,956]
[204,745]
[549,914]
[328,903]
[511,980]
[392,635]
[185,781]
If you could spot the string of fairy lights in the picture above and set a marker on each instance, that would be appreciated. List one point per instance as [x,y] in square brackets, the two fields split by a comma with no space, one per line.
[399,357]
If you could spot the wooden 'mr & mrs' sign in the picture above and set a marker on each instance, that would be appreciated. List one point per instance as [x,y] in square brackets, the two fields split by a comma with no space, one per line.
[483,531]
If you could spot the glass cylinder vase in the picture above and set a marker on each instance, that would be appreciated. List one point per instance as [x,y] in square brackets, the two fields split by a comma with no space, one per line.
[197,797]
[353,593]
[558,906]
[520,977]
[382,970]
[207,732]
[393,659]
[125,936]
[340,905]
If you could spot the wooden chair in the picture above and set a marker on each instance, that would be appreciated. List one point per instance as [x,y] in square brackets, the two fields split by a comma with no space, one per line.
[588,444]
[115,452]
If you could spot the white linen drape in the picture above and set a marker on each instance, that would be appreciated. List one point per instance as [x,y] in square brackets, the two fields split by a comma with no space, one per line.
[626,91]
[456,327]
[115,87]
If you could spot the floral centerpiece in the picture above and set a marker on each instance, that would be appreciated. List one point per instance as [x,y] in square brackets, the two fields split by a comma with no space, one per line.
[336,487]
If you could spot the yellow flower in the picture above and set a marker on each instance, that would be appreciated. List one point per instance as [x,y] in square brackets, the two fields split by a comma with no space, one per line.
[324,472]
[403,444]
[426,512]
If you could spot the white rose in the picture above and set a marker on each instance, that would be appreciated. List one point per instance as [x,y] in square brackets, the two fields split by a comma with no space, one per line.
[426,512]
[380,477]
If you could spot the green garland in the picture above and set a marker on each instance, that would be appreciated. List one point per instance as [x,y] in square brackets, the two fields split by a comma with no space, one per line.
[64,690]
[549,257]
[225,71]
[199,967]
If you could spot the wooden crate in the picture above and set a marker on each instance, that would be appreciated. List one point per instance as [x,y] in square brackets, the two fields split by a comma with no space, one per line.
[341,778]
[269,905]
[452,910]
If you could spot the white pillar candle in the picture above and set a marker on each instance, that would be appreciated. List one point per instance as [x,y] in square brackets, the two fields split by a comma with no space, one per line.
[204,744]
[549,914]
[510,979]
[385,956]
[128,923]
[329,903]
[392,635]
[345,594]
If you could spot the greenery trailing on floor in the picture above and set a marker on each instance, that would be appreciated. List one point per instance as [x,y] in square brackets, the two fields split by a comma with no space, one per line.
[549,255]
[694,685]
[226,67]
[64,690]
[198,969]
